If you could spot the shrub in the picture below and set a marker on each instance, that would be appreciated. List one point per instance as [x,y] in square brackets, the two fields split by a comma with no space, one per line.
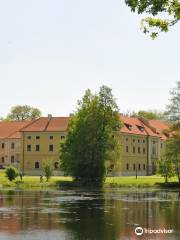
[11,173]
[48,170]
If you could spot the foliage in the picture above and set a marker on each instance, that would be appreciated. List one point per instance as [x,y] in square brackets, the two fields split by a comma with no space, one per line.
[47,169]
[173,152]
[163,14]
[166,168]
[11,173]
[89,141]
[173,109]
[149,115]
[24,112]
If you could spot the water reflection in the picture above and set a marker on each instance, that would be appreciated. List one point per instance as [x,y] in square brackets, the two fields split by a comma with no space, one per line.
[69,214]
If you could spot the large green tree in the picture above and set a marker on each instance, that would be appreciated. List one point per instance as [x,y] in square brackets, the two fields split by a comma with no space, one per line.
[161,14]
[173,152]
[23,112]
[91,137]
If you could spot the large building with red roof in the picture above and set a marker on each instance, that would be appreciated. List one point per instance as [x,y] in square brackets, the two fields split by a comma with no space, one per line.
[141,141]
[10,142]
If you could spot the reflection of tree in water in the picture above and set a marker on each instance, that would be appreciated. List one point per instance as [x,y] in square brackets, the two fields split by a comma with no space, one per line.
[93,215]
[85,219]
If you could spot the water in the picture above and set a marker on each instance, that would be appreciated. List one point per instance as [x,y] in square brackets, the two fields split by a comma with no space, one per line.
[76,214]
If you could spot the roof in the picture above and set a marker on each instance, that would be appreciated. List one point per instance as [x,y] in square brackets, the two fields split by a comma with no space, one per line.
[48,124]
[11,129]
[161,127]
[133,125]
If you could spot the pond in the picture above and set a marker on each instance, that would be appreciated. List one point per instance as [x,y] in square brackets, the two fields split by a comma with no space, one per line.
[108,214]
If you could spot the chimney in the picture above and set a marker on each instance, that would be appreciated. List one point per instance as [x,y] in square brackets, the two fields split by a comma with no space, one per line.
[49,116]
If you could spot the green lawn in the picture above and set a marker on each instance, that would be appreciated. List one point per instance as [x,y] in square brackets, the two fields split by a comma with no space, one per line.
[34,182]
[142,181]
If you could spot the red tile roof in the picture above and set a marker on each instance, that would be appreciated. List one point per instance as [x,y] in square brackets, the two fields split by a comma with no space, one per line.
[161,127]
[46,124]
[11,129]
[133,125]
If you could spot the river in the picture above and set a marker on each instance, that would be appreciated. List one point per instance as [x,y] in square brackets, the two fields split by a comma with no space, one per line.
[109,214]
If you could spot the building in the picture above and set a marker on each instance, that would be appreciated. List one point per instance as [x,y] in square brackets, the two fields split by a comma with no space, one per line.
[28,144]
[40,141]
[10,142]
[142,143]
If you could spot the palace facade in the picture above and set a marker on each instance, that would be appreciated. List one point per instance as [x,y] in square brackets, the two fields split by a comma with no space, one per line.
[28,144]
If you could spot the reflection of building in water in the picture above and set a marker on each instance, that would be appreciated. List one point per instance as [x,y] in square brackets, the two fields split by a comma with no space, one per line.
[31,143]
[109,215]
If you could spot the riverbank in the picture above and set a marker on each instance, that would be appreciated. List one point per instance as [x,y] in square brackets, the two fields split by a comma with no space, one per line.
[29,182]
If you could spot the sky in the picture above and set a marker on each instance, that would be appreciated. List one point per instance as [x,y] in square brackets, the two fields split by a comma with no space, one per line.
[51,51]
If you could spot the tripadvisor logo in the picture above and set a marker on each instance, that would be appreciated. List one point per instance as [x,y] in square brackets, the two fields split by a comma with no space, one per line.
[140,231]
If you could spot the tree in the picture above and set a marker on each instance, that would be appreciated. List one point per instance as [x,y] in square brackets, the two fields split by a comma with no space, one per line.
[166,168]
[153,24]
[173,152]
[150,114]
[24,112]
[48,170]
[173,109]
[11,173]
[89,140]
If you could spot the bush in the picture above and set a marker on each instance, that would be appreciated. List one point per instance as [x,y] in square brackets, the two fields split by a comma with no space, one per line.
[48,170]
[11,173]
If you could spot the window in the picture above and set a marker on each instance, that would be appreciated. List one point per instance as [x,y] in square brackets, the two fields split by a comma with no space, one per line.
[36,164]
[139,150]
[3,145]
[133,140]
[143,141]
[144,150]
[51,137]
[37,137]
[12,159]
[139,166]
[12,145]
[51,148]
[134,166]
[126,139]
[161,145]
[28,148]
[144,166]
[127,166]
[154,151]
[37,148]
[29,137]
[141,128]
[56,165]
[138,141]
[129,127]
[134,149]
[127,149]
[2,159]
[62,137]
[154,142]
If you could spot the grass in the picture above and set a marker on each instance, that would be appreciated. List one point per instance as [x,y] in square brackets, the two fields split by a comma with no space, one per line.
[141,181]
[34,182]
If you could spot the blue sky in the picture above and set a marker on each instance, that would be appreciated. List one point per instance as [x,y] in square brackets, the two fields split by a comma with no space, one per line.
[51,51]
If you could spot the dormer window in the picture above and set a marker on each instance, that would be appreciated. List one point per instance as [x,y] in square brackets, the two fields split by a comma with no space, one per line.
[129,127]
[141,128]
